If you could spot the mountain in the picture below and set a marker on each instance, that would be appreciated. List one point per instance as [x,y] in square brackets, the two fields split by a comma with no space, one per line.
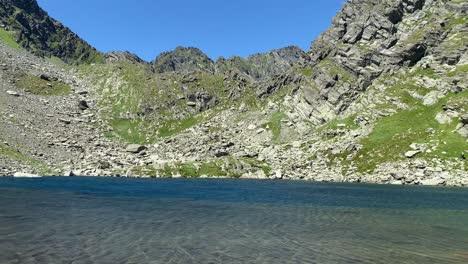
[380,97]
[43,35]
[183,60]
[258,66]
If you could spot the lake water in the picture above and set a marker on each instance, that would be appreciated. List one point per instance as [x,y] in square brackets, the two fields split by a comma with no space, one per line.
[110,220]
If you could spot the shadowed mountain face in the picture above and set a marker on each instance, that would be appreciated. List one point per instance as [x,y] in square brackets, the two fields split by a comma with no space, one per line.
[381,97]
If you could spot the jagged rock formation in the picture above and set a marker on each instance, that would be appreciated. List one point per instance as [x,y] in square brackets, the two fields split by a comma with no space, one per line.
[380,97]
[183,60]
[119,56]
[42,35]
[258,66]
[264,66]
[368,39]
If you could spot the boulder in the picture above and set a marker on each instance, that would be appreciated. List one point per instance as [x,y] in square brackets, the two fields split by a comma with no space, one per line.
[135,148]
[443,118]
[83,105]
[221,153]
[69,173]
[47,77]
[433,182]
[464,119]
[25,175]
[13,93]
[65,121]
[411,154]
[251,127]
[463,131]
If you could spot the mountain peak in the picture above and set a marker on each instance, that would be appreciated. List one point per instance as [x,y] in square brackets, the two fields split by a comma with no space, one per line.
[35,31]
[183,59]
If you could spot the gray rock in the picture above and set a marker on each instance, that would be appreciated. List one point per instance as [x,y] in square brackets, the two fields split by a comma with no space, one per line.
[463,131]
[47,77]
[83,105]
[13,93]
[125,56]
[82,92]
[221,153]
[464,119]
[443,118]
[278,175]
[135,148]
[433,182]
[432,98]
[411,154]
[69,173]
[65,121]
[25,175]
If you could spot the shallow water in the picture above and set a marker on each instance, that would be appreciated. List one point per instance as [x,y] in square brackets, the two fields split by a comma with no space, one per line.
[104,220]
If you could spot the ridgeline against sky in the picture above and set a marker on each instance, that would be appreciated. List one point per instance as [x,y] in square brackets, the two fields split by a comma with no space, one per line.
[219,28]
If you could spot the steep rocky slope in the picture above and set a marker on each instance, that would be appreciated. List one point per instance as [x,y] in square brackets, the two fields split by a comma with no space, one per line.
[34,30]
[380,97]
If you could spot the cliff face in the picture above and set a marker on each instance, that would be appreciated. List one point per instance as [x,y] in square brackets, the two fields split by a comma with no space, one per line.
[381,97]
[371,38]
[42,35]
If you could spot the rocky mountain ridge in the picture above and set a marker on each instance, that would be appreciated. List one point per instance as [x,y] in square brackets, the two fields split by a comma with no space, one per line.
[43,35]
[380,97]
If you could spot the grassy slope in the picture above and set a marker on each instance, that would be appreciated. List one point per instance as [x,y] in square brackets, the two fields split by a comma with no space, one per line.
[392,135]
[38,86]
[15,155]
[126,90]
[7,38]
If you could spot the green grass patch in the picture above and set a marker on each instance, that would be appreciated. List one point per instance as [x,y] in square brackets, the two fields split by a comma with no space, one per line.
[334,69]
[454,21]
[140,131]
[38,86]
[15,155]
[173,127]
[57,61]
[393,135]
[307,71]
[460,70]
[403,91]
[7,38]
[130,130]
[346,123]
[275,123]
[424,72]
[211,169]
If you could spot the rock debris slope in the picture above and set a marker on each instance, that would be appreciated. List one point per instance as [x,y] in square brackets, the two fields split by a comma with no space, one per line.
[380,97]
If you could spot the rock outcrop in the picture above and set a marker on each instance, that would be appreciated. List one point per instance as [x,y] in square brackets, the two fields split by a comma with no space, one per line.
[44,36]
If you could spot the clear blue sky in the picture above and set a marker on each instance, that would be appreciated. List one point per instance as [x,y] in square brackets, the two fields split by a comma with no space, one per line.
[219,28]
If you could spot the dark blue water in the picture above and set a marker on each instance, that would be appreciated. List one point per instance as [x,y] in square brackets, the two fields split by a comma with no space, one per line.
[108,220]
